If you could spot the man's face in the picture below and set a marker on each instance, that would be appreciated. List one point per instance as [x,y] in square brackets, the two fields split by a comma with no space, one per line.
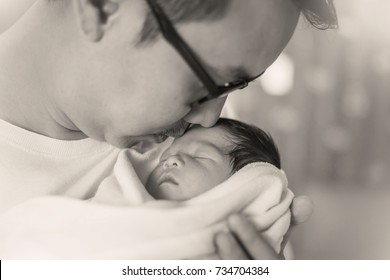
[127,92]
[193,164]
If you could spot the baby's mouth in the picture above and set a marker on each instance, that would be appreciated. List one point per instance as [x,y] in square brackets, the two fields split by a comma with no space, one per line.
[167,178]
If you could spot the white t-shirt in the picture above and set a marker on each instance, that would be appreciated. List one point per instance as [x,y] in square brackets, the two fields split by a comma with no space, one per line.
[33,165]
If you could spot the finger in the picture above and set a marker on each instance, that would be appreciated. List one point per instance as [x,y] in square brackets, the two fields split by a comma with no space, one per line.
[228,248]
[301,209]
[249,237]
[284,243]
[277,234]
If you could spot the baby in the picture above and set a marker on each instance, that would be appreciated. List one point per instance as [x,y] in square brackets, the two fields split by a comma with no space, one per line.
[189,166]
[197,161]
[205,157]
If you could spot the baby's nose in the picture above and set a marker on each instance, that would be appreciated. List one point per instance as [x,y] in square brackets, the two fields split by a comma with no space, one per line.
[173,162]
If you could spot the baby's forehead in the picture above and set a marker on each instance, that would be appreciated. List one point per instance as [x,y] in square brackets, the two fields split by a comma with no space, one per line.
[202,136]
[206,133]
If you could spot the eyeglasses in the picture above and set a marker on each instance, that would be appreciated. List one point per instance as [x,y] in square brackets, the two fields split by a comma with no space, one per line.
[171,35]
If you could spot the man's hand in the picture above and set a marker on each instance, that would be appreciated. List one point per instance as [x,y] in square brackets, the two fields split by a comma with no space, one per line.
[301,209]
[245,242]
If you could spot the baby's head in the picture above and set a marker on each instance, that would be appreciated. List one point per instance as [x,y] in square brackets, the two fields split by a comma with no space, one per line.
[205,157]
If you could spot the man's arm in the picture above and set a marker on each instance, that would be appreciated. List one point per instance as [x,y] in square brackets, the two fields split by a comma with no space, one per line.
[57,228]
[64,228]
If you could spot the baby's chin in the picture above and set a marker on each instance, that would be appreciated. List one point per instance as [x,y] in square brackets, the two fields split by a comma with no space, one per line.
[167,191]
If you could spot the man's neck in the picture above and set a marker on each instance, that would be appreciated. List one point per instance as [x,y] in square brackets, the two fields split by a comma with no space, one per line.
[28,81]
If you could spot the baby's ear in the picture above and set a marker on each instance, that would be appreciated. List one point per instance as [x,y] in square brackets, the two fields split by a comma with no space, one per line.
[93,15]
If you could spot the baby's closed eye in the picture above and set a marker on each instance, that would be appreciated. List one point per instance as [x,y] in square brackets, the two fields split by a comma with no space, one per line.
[203,157]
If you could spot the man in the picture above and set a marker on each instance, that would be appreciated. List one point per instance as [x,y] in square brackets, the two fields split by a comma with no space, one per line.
[73,71]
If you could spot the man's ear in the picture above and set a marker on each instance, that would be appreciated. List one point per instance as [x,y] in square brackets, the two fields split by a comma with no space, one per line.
[93,16]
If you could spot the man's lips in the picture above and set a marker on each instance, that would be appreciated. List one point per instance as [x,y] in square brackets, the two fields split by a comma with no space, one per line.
[147,139]
[176,130]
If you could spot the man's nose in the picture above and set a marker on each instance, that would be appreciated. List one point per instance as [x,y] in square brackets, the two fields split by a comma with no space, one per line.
[206,114]
[173,162]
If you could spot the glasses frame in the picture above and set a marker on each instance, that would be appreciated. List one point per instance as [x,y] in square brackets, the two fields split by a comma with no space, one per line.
[172,36]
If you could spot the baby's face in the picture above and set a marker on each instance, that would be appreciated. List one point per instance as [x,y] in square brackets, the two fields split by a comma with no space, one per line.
[193,164]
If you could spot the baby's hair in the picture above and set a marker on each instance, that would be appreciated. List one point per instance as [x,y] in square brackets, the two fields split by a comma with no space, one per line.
[249,144]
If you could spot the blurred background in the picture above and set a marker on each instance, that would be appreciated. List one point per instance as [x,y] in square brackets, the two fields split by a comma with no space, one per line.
[326,103]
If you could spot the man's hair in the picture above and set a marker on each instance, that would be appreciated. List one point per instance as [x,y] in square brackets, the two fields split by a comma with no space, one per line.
[182,11]
[320,13]
[248,144]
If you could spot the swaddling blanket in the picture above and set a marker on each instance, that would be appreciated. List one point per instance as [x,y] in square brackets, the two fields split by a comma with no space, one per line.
[186,229]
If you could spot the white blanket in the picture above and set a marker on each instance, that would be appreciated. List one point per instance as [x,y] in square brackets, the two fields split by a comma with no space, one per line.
[180,230]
